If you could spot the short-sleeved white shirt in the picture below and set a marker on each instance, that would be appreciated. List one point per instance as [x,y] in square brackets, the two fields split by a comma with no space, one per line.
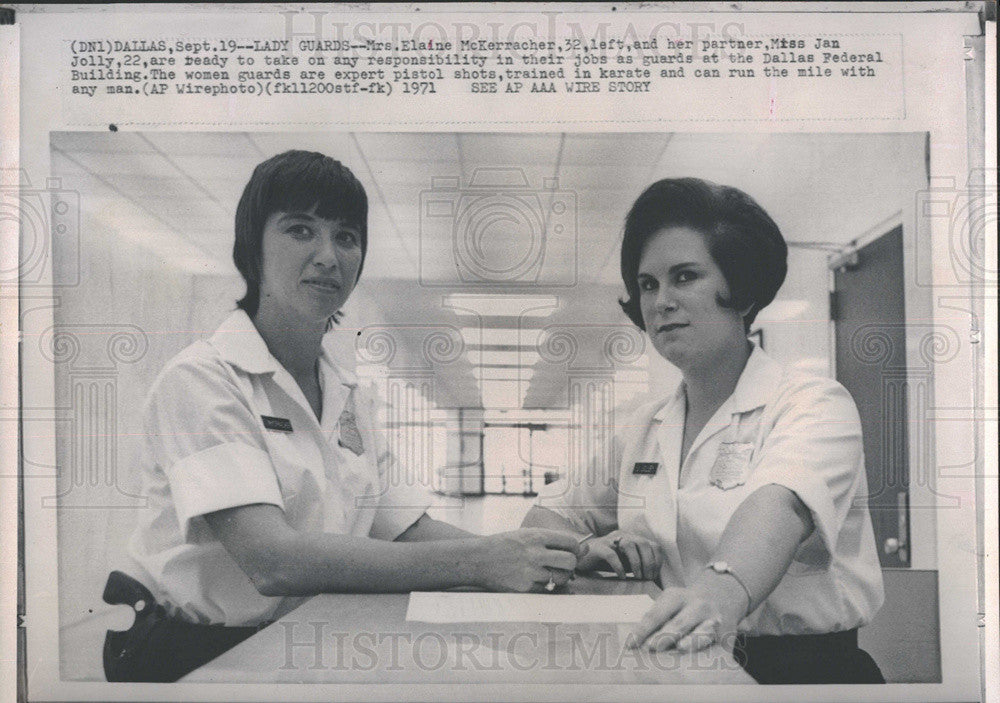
[226,425]
[778,427]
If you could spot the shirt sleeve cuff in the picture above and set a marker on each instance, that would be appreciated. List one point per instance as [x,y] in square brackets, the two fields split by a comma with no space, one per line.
[817,548]
[399,508]
[223,476]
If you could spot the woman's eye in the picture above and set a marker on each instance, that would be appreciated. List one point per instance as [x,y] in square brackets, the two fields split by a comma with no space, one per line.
[347,237]
[299,231]
[686,276]
[647,284]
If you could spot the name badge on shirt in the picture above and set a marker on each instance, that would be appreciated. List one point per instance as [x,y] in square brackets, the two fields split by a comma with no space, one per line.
[281,424]
[645,468]
[732,465]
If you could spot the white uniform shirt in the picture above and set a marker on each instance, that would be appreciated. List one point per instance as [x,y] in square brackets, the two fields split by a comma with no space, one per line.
[801,432]
[207,447]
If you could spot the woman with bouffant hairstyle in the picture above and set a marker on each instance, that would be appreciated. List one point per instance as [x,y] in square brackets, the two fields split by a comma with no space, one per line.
[750,479]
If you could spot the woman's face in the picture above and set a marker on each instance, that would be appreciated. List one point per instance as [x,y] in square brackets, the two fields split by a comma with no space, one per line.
[310,264]
[678,285]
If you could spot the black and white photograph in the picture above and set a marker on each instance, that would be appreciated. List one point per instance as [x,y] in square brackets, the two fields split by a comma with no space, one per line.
[311,373]
[486,352]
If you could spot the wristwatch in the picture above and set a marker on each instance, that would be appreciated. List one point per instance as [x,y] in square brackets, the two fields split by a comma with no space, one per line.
[722,567]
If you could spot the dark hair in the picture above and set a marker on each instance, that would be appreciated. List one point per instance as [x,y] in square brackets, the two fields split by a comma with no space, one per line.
[743,240]
[295,181]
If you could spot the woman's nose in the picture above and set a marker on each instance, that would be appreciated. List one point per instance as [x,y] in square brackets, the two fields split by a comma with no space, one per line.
[326,253]
[666,300]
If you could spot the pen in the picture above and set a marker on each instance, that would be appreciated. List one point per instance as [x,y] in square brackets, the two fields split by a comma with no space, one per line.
[579,543]
[617,546]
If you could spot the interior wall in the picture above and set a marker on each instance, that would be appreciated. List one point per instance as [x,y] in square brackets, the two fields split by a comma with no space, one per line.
[801,341]
[154,311]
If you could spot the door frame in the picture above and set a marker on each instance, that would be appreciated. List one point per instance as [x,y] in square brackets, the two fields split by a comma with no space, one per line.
[926,496]
[847,255]
[839,261]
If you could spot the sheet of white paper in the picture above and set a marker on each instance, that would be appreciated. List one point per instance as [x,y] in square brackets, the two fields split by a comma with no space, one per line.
[524,607]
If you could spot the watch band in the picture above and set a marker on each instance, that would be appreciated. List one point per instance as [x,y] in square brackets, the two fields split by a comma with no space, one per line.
[722,567]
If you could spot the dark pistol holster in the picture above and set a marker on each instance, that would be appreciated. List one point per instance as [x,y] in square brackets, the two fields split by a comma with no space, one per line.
[160,646]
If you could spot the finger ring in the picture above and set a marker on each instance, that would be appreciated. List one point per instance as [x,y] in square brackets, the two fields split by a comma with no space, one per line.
[551,585]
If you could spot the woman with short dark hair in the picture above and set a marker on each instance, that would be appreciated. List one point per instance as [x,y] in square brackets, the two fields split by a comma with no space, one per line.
[266,478]
[294,181]
[744,492]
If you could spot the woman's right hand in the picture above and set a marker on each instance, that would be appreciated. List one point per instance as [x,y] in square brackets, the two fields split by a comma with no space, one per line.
[623,552]
[525,560]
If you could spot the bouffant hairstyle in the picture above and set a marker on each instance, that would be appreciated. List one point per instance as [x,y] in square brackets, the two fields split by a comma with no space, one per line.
[743,240]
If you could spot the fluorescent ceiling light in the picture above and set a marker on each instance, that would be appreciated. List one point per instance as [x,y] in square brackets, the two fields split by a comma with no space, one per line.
[503,373]
[503,358]
[500,335]
[502,305]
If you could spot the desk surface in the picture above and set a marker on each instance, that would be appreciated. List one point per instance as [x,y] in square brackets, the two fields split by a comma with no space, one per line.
[365,638]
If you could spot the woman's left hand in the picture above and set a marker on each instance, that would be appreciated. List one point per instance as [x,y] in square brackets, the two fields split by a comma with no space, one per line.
[692,618]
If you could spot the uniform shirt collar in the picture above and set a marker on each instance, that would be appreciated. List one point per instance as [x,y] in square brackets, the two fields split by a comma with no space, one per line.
[240,344]
[755,387]
[758,382]
[338,354]
[674,401]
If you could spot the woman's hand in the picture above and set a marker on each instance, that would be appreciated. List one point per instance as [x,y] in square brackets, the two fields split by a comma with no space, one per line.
[527,559]
[693,618]
[623,552]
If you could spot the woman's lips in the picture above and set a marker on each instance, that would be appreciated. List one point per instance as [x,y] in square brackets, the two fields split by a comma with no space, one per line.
[323,284]
[671,327]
